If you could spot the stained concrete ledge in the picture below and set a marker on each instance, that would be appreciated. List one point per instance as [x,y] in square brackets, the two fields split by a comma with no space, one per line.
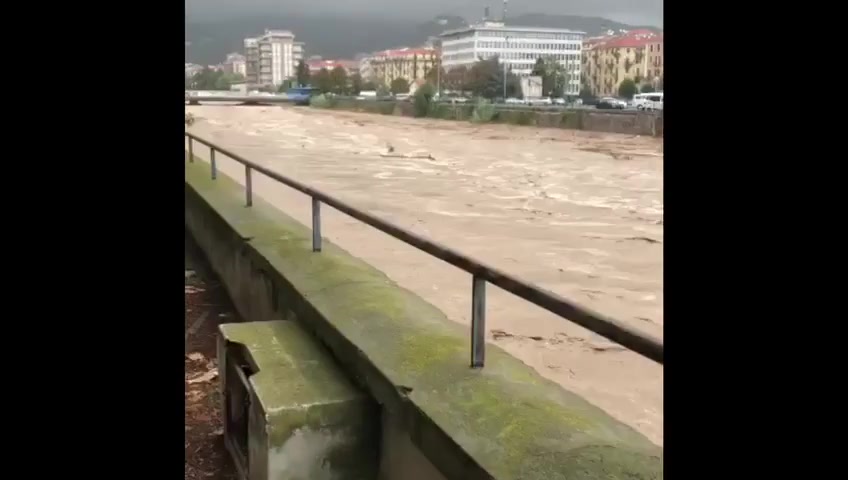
[306,419]
[504,421]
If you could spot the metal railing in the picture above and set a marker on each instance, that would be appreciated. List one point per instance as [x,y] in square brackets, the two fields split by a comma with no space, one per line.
[612,329]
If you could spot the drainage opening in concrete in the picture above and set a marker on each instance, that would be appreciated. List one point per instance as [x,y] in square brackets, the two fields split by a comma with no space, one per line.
[237,404]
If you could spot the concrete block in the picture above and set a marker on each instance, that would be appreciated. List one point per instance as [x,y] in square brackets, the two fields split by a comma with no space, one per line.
[290,413]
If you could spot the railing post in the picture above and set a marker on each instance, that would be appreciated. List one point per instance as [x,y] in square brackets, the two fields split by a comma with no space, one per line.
[316,225]
[478,322]
[190,150]
[212,163]
[248,185]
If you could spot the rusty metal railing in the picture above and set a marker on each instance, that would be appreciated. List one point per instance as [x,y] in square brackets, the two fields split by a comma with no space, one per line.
[612,329]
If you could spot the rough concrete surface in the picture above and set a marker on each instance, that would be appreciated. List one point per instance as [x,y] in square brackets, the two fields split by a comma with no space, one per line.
[313,424]
[579,213]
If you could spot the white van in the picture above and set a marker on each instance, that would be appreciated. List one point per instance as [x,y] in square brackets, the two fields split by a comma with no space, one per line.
[648,101]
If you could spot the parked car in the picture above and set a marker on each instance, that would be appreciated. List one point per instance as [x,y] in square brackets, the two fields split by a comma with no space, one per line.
[609,103]
[539,101]
[559,101]
[650,101]
[513,101]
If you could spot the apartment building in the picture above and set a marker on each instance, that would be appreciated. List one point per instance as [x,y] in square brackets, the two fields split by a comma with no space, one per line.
[365,69]
[654,62]
[272,58]
[607,61]
[517,47]
[236,63]
[410,64]
[315,66]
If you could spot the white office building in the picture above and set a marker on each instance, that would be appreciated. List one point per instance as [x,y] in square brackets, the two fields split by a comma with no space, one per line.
[518,47]
[272,58]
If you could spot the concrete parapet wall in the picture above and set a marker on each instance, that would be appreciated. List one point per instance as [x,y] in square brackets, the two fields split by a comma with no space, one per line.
[637,123]
[440,419]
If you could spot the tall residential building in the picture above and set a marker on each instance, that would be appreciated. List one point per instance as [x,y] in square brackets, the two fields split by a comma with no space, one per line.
[251,55]
[607,61]
[654,62]
[517,47]
[298,54]
[236,63]
[272,58]
[411,64]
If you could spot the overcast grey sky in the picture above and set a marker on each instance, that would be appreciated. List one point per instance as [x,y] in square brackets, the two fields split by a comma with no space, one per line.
[644,12]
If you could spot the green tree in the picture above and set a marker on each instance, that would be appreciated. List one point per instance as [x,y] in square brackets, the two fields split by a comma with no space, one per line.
[586,93]
[486,79]
[225,80]
[206,79]
[554,76]
[369,86]
[355,83]
[285,86]
[382,90]
[456,79]
[647,88]
[302,74]
[539,68]
[436,76]
[322,81]
[423,99]
[399,85]
[338,79]
[627,88]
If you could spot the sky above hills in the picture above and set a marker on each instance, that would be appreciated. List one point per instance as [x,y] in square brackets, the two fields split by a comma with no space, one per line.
[637,12]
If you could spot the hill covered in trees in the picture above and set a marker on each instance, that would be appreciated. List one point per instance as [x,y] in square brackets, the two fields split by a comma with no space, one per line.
[344,37]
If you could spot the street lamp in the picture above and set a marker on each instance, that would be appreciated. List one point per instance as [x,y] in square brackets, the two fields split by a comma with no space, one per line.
[506,46]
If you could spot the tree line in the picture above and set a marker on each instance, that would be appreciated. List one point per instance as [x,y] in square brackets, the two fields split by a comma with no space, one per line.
[338,81]
[209,79]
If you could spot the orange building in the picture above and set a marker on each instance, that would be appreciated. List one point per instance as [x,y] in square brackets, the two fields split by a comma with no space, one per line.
[607,61]
[411,64]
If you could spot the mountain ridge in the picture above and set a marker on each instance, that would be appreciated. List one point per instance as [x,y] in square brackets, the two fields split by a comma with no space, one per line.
[208,42]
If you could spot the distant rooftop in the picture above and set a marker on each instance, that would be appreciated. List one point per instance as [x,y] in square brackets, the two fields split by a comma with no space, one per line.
[495,26]
[278,33]
[630,39]
[399,52]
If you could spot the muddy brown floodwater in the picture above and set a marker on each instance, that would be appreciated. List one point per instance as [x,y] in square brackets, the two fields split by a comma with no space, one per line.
[578,213]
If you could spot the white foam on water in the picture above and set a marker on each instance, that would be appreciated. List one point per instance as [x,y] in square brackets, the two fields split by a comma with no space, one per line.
[580,224]
[461,214]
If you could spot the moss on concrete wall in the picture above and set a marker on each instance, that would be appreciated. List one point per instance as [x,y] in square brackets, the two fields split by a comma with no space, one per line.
[504,421]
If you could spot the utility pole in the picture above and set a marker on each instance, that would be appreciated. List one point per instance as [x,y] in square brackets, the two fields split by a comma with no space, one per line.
[506,44]
[439,74]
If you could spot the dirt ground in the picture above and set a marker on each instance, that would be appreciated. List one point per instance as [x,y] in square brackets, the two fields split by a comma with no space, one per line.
[579,213]
[206,306]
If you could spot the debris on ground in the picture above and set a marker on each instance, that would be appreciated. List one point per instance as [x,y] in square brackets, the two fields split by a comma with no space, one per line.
[644,239]
[423,156]
[206,457]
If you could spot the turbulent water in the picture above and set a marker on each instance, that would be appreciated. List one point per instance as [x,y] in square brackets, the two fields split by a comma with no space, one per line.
[579,213]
